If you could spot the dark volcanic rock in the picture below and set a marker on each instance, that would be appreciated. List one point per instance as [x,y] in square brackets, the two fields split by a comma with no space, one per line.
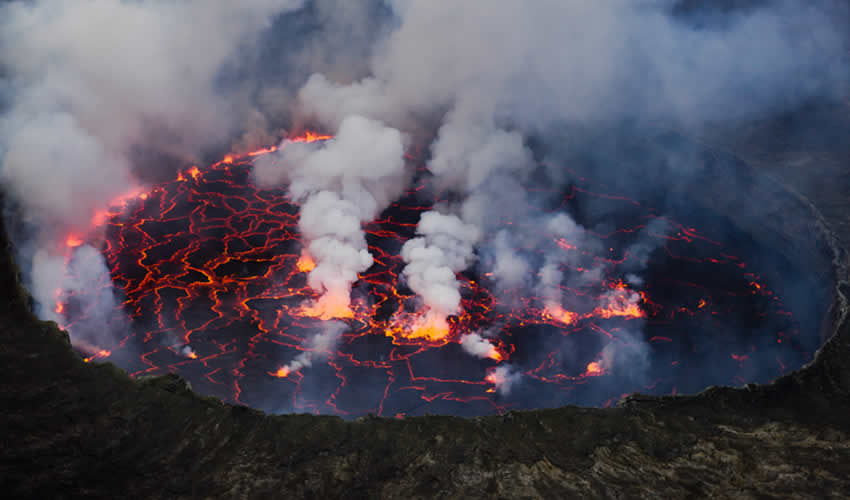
[71,429]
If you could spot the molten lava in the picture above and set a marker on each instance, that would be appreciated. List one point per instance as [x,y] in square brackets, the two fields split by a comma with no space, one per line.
[98,355]
[305,263]
[432,328]
[594,369]
[311,137]
[212,274]
[329,306]
[622,303]
[495,355]
[558,313]
[73,241]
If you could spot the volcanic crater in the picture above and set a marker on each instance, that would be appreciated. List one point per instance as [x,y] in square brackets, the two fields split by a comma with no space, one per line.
[710,280]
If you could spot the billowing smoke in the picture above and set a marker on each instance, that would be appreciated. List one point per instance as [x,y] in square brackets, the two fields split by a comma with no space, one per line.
[94,88]
[504,377]
[444,248]
[551,275]
[319,346]
[341,185]
[85,98]
[640,250]
[495,74]
[94,83]
[82,271]
[478,346]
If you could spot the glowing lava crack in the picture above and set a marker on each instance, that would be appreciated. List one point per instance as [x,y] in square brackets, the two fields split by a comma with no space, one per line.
[211,271]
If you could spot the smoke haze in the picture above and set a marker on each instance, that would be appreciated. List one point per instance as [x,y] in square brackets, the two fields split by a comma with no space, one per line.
[488,89]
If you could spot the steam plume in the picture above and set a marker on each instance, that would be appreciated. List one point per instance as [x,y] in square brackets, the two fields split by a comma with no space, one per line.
[96,82]
[479,347]
[342,184]
[317,347]
[444,248]
[483,83]
[508,72]
[503,378]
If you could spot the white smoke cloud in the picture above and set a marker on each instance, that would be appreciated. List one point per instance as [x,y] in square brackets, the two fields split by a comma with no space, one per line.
[335,240]
[634,280]
[342,184]
[188,352]
[478,346]
[481,77]
[444,248]
[504,378]
[331,103]
[47,283]
[649,239]
[628,356]
[318,347]
[93,81]
[468,150]
[85,97]
[493,72]
[551,275]
[496,62]
[364,163]
[85,277]
[61,173]
[510,269]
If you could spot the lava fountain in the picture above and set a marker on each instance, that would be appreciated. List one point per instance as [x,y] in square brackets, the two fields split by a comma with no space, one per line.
[211,272]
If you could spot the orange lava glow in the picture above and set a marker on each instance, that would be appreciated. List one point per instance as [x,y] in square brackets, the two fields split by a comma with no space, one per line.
[329,306]
[564,244]
[73,241]
[622,304]
[309,137]
[194,172]
[211,264]
[432,328]
[117,205]
[496,378]
[305,263]
[306,137]
[99,355]
[263,151]
[560,314]
[620,310]
[594,369]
